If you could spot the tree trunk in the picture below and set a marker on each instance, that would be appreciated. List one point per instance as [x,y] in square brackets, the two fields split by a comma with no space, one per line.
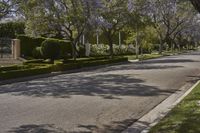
[110,41]
[74,51]
[1,50]
[136,47]
[161,46]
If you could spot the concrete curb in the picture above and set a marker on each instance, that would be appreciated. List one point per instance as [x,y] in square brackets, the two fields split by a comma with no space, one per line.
[152,118]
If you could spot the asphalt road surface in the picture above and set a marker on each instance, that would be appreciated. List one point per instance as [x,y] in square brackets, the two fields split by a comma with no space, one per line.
[105,100]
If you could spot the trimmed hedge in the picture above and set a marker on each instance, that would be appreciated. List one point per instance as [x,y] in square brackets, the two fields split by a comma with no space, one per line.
[25,72]
[14,67]
[34,61]
[50,49]
[35,69]
[37,53]
[64,48]
[28,44]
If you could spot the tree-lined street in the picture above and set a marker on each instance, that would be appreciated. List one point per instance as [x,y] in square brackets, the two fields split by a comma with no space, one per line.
[107,100]
[109,45]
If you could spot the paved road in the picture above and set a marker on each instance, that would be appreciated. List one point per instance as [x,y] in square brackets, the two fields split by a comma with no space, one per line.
[105,100]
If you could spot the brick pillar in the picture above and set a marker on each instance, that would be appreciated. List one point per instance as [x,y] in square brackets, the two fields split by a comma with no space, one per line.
[16,52]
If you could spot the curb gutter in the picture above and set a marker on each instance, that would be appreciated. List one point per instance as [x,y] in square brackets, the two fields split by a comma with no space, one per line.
[152,118]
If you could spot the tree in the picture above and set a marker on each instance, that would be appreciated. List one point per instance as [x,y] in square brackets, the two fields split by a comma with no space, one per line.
[8,7]
[5,8]
[137,21]
[112,18]
[170,18]
[70,17]
[196,4]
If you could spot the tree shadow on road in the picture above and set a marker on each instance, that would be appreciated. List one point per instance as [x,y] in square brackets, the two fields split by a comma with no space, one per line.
[149,65]
[114,127]
[46,128]
[108,86]
[193,79]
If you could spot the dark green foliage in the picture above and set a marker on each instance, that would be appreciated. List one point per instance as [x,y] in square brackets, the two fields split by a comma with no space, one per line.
[14,67]
[36,67]
[28,44]
[24,72]
[34,61]
[11,29]
[65,48]
[196,4]
[37,53]
[51,49]
[82,51]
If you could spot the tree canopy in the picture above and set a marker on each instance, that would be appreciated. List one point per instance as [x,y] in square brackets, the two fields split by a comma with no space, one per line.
[196,4]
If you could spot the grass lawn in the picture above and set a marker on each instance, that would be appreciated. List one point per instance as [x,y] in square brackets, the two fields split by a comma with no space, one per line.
[184,118]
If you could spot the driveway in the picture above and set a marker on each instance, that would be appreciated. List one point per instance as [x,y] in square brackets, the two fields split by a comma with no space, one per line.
[106,100]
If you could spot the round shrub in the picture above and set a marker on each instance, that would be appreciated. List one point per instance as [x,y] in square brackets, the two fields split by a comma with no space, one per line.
[51,49]
[37,53]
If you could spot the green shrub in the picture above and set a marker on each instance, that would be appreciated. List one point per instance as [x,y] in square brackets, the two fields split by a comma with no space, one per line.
[99,50]
[28,44]
[103,50]
[51,49]
[81,51]
[36,67]
[146,48]
[24,72]
[37,53]
[35,61]
[65,48]
[11,29]
[14,67]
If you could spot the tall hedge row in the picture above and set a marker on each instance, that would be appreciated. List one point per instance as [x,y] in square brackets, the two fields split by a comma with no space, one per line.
[11,29]
[29,46]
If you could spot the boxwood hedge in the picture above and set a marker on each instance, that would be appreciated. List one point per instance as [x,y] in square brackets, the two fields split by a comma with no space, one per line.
[28,44]
[37,67]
